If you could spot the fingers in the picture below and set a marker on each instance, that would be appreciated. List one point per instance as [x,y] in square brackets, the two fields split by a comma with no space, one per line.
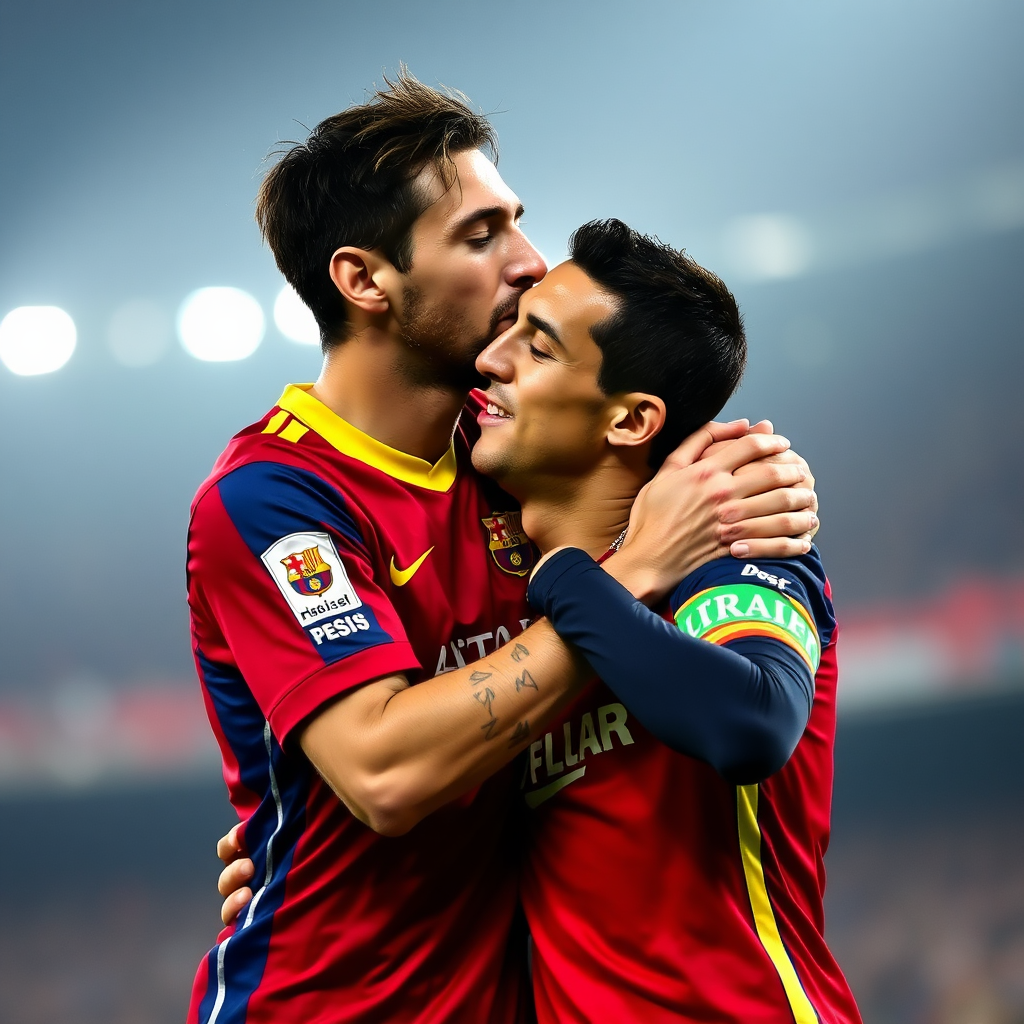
[782,499]
[725,431]
[234,876]
[750,448]
[230,846]
[235,904]
[764,476]
[784,524]
[711,433]
[762,427]
[773,548]
[788,457]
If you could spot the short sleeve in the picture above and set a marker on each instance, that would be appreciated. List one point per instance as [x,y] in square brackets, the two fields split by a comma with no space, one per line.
[785,600]
[282,585]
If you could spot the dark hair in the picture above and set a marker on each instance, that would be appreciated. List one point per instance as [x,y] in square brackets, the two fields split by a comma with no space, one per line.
[677,332]
[353,183]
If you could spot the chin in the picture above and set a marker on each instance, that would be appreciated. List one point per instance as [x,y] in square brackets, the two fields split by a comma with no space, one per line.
[494,463]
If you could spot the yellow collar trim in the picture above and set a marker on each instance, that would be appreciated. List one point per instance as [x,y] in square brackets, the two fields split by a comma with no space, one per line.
[354,443]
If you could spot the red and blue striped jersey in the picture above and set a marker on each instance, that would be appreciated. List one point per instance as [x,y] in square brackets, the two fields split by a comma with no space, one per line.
[320,559]
[655,890]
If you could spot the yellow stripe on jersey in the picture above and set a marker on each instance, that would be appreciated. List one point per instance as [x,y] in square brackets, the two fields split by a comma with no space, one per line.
[293,432]
[354,443]
[275,421]
[760,903]
[737,630]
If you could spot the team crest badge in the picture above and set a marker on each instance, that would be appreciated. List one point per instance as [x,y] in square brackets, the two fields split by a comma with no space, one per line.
[308,573]
[509,546]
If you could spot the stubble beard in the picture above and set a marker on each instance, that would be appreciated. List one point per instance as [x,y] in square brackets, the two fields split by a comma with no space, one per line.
[431,333]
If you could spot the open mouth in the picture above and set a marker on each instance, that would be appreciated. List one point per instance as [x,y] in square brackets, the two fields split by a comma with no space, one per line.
[494,412]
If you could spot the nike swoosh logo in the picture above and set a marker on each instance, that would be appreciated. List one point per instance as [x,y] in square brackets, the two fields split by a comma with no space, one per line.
[538,796]
[402,576]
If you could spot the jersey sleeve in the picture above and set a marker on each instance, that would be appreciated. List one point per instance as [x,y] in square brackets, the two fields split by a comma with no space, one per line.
[740,702]
[282,586]
[786,602]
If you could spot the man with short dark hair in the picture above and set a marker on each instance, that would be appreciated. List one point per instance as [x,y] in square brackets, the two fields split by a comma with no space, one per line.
[680,806]
[343,550]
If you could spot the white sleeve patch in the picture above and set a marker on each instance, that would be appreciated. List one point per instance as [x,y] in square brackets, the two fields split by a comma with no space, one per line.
[310,574]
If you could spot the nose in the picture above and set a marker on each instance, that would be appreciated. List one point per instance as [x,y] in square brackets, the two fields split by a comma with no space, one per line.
[527,266]
[495,362]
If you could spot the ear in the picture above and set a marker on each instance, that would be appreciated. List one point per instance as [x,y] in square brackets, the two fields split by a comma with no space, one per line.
[362,276]
[635,419]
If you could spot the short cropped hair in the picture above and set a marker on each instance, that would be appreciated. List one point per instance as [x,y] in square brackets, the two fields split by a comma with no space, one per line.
[353,183]
[677,332]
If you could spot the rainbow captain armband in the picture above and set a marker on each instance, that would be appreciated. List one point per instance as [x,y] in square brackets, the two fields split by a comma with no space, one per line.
[724,613]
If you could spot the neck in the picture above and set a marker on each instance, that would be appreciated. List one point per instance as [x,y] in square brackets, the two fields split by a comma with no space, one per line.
[366,381]
[586,512]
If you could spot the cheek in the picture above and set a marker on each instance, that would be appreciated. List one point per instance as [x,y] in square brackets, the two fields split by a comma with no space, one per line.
[562,432]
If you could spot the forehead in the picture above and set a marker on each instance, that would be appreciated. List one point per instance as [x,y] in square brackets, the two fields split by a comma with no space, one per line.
[478,190]
[571,302]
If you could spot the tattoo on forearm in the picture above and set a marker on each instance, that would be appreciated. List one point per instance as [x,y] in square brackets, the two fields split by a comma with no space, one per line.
[478,677]
[520,733]
[525,681]
[485,696]
[519,652]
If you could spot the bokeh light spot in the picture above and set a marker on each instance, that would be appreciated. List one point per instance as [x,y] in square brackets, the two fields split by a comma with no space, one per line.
[36,339]
[220,324]
[294,318]
[768,246]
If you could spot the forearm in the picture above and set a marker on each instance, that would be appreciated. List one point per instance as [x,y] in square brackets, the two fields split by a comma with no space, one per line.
[743,713]
[395,752]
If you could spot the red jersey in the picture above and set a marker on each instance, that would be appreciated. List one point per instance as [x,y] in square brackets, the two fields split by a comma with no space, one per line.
[320,559]
[656,891]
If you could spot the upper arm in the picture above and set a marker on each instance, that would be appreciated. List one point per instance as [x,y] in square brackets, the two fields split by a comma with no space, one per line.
[783,602]
[778,616]
[281,584]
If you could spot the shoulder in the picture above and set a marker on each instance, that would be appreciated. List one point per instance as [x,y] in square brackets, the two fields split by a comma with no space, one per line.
[265,499]
[727,592]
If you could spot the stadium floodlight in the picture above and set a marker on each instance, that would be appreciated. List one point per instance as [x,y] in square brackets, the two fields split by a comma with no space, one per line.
[768,246]
[36,339]
[294,319]
[139,332]
[220,324]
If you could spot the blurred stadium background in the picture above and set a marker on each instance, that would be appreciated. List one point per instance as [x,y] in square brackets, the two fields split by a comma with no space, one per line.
[855,170]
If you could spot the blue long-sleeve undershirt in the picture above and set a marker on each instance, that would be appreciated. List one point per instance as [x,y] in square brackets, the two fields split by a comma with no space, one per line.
[742,709]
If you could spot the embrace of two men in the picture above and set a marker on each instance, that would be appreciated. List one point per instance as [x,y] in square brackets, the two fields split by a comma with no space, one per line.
[609,804]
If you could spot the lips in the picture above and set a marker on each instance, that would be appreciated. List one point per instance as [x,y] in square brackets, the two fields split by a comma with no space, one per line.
[503,325]
[498,411]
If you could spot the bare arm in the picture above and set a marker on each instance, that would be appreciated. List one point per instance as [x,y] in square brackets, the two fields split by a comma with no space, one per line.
[394,752]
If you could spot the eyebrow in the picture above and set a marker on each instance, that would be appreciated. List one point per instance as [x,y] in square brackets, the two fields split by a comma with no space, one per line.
[485,214]
[545,327]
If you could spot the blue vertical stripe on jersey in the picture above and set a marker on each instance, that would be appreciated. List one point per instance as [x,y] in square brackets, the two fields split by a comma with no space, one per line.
[236,965]
[269,500]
